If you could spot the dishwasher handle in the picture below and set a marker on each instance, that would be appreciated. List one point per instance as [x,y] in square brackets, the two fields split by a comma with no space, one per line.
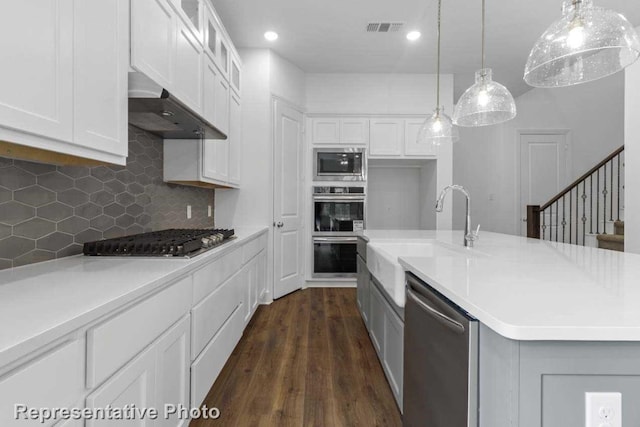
[450,323]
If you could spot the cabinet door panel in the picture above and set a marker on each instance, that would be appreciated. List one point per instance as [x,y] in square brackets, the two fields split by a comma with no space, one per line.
[153,40]
[36,41]
[376,320]
[101,62]
[54,380]
[222,106]
[235,138]
[188,81]
[411,146]
[325,131]
[387,138]
[172,371]
[393,352]
[354,131]
[133,385]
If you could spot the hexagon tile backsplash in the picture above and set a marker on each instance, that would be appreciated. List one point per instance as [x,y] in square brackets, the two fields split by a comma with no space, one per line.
[48,212]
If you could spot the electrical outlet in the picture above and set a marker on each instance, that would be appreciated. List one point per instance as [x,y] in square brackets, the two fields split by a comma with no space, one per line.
[603,409]
[209,211]
[188,211]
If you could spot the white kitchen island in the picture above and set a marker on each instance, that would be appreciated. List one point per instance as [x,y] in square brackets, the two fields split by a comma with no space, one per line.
[556,320]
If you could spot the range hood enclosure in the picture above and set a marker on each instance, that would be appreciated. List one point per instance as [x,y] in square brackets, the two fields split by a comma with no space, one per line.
[155,110]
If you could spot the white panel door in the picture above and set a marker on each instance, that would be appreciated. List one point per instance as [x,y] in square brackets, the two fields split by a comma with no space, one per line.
[544,171]
[101,64]
[188,69]
[387,138]
[153,40]
[411,146]
[36,41]
[172,371]
[288,207]
[235,138]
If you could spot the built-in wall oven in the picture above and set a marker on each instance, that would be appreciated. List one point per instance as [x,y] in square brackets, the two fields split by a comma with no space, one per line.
[339,164]
[338,210]
[338,214]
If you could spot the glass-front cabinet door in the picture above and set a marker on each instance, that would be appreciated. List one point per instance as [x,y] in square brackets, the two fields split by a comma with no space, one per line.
[215,44]
[191,11]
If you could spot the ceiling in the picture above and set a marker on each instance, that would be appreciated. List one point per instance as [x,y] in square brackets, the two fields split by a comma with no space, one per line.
[328,36]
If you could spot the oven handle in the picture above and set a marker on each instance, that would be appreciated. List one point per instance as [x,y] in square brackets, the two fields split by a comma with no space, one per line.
[336,239]
[338,198]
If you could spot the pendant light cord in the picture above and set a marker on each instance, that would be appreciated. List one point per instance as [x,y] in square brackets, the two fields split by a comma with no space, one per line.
[483,8]
[438,70]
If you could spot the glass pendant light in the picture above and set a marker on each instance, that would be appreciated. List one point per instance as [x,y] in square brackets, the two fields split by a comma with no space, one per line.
[586,44]
[438,128]
[486,102]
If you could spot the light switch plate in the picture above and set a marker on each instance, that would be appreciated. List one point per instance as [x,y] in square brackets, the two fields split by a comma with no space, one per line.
[603,409]
[188,211]
[209,211]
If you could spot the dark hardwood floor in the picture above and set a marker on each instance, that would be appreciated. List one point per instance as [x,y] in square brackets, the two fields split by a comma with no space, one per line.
[305,360]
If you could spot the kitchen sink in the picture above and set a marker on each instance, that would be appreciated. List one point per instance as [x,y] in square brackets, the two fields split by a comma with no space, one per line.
[382,261]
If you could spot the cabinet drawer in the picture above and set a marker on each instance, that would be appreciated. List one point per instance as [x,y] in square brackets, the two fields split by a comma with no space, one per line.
[117,340]
[208,316]
[253,248]
[209,277]
[206,368]
[55,380]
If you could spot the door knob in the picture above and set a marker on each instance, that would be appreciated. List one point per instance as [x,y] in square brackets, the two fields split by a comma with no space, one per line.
[524,219]
[280,225]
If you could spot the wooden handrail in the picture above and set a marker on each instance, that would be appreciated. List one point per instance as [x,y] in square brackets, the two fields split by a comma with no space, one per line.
[582,178]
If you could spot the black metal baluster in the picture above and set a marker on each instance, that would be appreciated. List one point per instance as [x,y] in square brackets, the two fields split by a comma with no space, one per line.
[544,225]
[598,203]
[604,199]
[618,216]
[570,216]
[557,208]
[577,209]
[584,212]
[611,187]
[591,204]
[564,218]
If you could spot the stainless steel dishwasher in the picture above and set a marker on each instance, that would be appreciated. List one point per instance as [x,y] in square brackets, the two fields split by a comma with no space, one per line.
[440,360]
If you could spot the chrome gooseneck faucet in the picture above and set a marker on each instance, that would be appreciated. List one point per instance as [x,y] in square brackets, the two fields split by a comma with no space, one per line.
[469,236]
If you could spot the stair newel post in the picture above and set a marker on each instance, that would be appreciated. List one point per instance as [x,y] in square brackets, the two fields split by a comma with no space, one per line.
[533,221]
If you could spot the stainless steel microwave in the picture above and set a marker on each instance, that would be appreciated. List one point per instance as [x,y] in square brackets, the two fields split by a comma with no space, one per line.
[339,164]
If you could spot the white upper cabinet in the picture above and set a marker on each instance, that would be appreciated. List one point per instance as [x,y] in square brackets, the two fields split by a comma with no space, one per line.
[411,146]
[191,11]
[36,40]
[235,139]
[387,138]
[354,131]
[342,131]
[325,131]
[188,67]
[101,63]
[64,85]
[234,74]
[153,40]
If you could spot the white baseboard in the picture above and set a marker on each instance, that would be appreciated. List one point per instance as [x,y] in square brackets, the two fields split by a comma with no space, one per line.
[331,284]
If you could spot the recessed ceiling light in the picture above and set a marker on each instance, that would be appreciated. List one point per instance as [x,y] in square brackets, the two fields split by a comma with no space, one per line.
[271,36]
[413,35]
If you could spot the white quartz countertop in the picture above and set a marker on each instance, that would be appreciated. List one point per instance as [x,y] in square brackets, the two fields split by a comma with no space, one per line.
[42,302]
[528,289]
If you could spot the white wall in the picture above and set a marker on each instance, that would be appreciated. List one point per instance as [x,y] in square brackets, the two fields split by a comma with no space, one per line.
[386,94]
[265,75]
[399,198]
[487,159]
[632,159]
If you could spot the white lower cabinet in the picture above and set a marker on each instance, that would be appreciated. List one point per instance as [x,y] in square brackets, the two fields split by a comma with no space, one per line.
[53,380]
[157,376]
[386,330]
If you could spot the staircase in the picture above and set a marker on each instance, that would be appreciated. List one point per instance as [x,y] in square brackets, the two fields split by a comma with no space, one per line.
[615,241]
[589,212]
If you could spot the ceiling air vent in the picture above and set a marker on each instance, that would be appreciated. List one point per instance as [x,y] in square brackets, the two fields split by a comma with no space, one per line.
[384,27]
